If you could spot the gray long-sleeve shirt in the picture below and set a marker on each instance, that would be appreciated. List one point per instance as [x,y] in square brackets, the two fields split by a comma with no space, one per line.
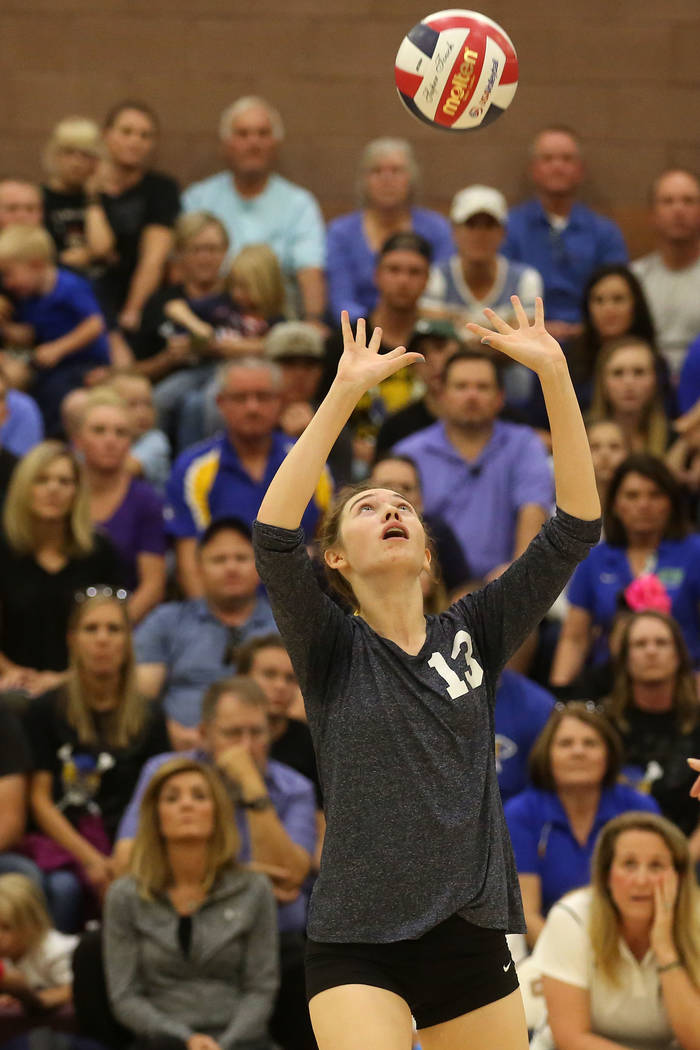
[405,744]
[224,987]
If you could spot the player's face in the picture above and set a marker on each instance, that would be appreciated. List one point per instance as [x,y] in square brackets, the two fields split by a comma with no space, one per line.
[479,238]
[249,403]
[401,277]
[227,568]
[186,808]
[105,438]
[100,639]
[642,507]
[399,477]
[471,396]
[379,532]
[629,379]
[74,166]
[236,724]
[202,257]
[19,204]
[131,139]
[651,651]
[641,859]
[611,306]
[272,670]
[251,147]
[578,755]
[53,491]
[388,181]
[556,167]
[676,207]
[608,449]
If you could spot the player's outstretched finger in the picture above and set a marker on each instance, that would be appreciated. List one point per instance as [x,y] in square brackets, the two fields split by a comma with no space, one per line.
[346,327]
[376,340]
[361,332]
[523,319]
[539,312]
[498,323]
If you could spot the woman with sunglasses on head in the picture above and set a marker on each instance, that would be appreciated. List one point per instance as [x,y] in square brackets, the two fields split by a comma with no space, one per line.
[90,739]
[417,885]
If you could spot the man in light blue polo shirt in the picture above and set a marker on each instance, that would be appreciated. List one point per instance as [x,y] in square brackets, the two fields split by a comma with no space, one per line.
[489,480]
[258,206]
[182,647]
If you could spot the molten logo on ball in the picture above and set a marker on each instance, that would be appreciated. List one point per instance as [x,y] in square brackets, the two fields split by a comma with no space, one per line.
[456,70]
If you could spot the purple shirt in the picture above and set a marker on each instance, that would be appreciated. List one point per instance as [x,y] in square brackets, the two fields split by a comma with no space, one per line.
[293,798]
[351,263]
[480,499]
[136,527]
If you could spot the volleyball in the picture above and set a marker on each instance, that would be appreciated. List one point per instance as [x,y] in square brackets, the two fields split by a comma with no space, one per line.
[456,70]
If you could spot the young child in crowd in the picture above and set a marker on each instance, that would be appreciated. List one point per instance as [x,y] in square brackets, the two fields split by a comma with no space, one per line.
[36,960]
[65,327]
[256,285]
[150,450]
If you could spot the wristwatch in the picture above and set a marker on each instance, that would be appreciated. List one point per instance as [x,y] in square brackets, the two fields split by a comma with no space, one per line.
[257,805]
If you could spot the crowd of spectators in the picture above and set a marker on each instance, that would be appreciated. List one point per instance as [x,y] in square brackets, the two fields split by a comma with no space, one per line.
[161,811]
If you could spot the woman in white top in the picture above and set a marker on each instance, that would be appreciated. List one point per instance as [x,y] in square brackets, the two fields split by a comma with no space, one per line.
[621,959]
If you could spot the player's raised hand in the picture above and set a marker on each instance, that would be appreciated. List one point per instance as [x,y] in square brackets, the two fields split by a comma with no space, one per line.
[361,364]
[527,343]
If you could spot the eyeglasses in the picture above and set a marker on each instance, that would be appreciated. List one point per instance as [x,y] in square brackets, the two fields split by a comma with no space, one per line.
[101,591]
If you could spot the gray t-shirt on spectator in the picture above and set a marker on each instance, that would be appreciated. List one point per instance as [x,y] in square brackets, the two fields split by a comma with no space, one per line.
[405,744]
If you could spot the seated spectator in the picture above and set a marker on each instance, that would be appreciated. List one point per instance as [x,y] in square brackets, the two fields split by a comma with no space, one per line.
[258,206]
[400,474]
[297,348]
[553,825]
[64,326]
[645,531]
[125,508]
[558,235]
[73,211]
[48,551]
[89,740]
[388,182]
[437,342]
[654,707]
[190,940]
[276,820]
[229,474]
[613,305]
[670,276]
[626,390]
[620,959]
[141,206]
[521,713]
[20,203]
[36,975]
[256,284]
[183,647]
[488,480]
[606,439]
[149,455]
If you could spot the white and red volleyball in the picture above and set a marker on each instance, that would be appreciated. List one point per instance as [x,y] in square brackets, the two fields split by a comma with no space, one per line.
[456,70]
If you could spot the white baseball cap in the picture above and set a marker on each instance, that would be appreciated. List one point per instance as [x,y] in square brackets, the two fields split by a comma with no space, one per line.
[475,199]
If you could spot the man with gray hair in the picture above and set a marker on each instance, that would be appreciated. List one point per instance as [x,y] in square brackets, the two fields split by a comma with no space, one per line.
[259,206]
[228,475]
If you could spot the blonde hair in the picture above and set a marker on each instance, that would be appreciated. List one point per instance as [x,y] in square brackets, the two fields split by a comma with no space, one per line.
[654,423]
[23,907]
[258,268]
[127,720]
[604,922]
[192,223]
[149,860]
[105,396]
[79,133]
[20,243]
[18,518]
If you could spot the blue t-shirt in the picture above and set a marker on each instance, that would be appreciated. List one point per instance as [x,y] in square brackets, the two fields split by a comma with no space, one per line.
[544,843]
[522,709]
[24,427]
[565,259]
[70,302]
[689,383]
[598,580]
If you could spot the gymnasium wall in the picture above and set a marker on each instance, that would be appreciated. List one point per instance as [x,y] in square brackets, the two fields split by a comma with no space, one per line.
[625,73]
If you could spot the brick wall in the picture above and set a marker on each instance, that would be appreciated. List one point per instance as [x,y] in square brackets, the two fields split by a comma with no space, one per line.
[623,72]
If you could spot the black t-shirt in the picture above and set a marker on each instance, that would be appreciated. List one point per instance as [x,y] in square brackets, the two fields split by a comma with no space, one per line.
[64,218]
[35,604]
[15,755]
[8,462]
[154,201]
[655,753]
[295,748]
[86,776]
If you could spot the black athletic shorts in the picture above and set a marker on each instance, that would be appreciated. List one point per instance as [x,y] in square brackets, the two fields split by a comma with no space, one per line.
[452,969]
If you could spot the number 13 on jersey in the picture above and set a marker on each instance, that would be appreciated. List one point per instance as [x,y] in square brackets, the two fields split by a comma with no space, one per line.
[473,672]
